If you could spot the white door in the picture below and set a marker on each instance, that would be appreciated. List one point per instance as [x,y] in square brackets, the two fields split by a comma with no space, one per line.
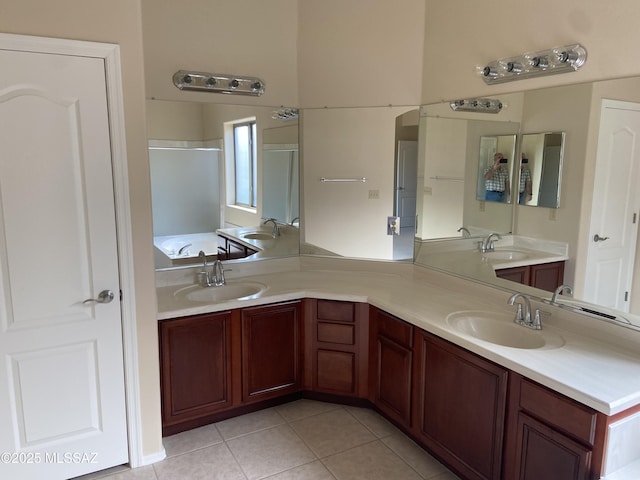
[406,183]
[62,404]
[614,228]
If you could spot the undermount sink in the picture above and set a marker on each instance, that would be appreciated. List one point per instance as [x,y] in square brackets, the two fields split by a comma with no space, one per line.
[499,329]
[257,236]
[231,290]
[505,255]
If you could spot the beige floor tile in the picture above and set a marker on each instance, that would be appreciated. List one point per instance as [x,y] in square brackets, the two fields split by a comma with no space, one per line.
[249,423]
[310,471]
[211,463]
[373,461]
[332,432]
[122,472]
[378,425]
[423,463]
[270,451]
[304,408]
[191,440]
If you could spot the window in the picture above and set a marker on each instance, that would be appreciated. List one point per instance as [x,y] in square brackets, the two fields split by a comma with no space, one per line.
[245,164]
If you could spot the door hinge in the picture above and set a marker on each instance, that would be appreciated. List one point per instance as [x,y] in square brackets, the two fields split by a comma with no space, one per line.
[634,217]
[626,296]
[120,295]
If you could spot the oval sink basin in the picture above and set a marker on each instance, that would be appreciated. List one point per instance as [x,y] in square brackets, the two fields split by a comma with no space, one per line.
[230,291]
[499,329]
[257,236]
[505,255]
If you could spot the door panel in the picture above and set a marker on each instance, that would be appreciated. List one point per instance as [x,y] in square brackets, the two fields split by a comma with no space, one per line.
[61,364]
[609,268]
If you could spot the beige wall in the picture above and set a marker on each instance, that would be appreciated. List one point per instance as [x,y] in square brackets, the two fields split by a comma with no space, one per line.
[175,121]
[116,21]
[360,52]
[255,38]
[461,35]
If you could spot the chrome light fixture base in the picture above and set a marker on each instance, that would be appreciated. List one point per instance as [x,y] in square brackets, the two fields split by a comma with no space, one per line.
[549,62]
[478,105]
[218,83]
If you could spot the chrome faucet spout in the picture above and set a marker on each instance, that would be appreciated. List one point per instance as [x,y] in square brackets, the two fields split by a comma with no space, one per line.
[487,244]
[184,247]
[526,318]
[466,232]
[276,229]
[218,274]
[559,291]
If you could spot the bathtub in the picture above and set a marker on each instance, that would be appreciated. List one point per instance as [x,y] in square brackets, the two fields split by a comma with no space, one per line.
[188,245]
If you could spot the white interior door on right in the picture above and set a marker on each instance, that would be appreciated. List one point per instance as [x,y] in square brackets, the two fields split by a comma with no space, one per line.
[614,213]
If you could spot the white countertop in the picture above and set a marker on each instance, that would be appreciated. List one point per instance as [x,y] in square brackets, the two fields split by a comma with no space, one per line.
[598,365]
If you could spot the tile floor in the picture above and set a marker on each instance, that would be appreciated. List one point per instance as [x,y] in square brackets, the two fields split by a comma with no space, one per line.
[302,440]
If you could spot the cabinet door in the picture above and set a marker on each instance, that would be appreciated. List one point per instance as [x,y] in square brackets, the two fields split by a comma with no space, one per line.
[460,407]
[271,351]
[547,276]
[543,453]
[195,366]
[393,357]
[515,274]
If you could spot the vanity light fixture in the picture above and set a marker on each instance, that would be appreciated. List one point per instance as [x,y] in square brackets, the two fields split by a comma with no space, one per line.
[478,105]
[218,83]
[548,62]
[285,114]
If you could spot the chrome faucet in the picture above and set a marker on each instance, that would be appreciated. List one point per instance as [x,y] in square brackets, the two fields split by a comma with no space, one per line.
[218,274]
[487,244]
[466,231]
[213,278]
[524,317]
[560,290]
[294,221]
[276,229]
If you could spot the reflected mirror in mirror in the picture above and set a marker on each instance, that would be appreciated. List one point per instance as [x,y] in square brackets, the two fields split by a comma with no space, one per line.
[494,168]
[541,169]
[200,203]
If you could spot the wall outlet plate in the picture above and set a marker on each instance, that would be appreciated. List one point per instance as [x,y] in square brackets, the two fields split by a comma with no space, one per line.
[393,225]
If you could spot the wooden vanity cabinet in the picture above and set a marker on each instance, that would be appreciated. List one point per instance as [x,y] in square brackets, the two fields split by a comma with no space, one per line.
[229,250]
[545,276]
[391,366]
[551,436]
[459,407]
[195,365]
[272,351]
[337,347]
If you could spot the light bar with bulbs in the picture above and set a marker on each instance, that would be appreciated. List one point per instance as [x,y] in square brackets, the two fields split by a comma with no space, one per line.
[530,65]
[478,105]
[218,83]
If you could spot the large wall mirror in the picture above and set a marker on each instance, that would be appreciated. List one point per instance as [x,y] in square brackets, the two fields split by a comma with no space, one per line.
[558,133]
[194,183]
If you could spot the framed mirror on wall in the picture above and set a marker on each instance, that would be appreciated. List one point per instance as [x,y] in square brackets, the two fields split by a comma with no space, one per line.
[540,175]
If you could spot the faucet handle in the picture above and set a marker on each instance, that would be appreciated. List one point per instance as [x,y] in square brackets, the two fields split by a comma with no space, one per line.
[519,318]
[537,321]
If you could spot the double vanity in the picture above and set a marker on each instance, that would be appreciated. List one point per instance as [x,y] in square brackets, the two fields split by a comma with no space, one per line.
[439,356]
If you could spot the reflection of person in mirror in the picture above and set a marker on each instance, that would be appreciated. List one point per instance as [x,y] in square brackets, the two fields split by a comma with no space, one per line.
[525,192]
[496,180]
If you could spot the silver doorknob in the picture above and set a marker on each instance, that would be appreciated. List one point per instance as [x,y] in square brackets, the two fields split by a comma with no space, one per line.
[105,296]
[598,238]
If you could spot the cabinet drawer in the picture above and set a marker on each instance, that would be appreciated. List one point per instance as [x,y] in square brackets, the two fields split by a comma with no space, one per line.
[336,333]
[394,329]
[560,412]
[336,311]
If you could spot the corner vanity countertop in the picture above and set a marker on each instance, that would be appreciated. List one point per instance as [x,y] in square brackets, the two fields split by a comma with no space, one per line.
[464,258]
[598,365]
[286,244]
